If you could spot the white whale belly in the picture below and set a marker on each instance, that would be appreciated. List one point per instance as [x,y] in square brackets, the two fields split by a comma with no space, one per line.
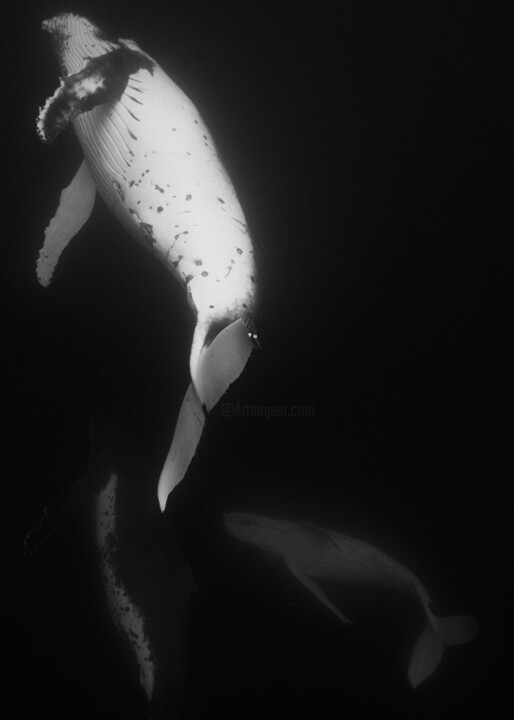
[155,164]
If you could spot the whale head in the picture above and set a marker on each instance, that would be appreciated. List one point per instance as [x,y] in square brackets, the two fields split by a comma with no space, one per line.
[75,39]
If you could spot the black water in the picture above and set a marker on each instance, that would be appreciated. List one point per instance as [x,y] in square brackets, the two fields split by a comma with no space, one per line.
[370,148]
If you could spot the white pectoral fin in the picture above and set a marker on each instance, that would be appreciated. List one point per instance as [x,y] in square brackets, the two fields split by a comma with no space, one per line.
[318,592]
[216,366]
[75,206]
[188,430]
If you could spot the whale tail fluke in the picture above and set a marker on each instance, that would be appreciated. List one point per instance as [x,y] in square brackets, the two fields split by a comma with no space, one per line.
[215,364]
[457,630]
[188,431]
[214,367]
[436,636]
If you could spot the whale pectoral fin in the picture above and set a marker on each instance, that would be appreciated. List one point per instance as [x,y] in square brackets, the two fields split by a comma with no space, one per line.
[188,430]
[75,206]
[317,591]
[215,366]
[67,504]
[102,79]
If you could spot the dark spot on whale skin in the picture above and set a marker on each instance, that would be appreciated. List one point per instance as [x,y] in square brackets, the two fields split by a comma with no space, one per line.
[159,188]
[188,197]
[134,137]
[188,278]
[211,307]
[198,262]
[239,251]
[134,60]
[205,273]
[221,200]
[119,189]
[185,232]
[132,183]
[147,231]
[160,209]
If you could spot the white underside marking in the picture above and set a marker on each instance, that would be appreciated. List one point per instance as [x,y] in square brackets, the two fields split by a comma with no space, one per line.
[125,613]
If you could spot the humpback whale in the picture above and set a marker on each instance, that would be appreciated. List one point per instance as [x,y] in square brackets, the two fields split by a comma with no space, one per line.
[149,155]
[314,554]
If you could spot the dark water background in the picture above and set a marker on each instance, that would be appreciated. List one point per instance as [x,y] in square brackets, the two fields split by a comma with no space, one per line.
[370,144]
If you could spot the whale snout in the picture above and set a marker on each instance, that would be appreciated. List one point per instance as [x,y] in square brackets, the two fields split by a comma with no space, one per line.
[67,23]
[75,40]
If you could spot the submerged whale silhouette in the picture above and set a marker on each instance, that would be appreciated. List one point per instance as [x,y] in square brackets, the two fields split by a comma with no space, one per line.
[312,553]
[147,581]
